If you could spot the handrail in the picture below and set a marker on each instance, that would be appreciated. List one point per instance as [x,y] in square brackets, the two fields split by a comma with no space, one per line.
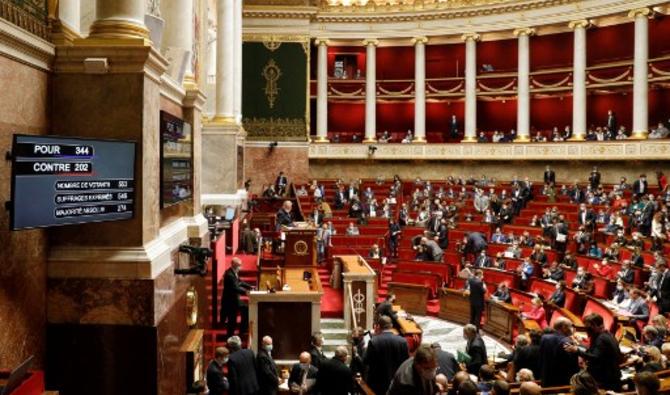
[351,305]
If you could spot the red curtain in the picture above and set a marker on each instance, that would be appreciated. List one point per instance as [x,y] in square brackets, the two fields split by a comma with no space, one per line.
[395,63]
[659,107]
[659,34]
[438,115]
[550,51]
[619,102]
[346,117]
[445,60]
[610,43]
[396,116]
[501,54]
[547,113]
[496,115]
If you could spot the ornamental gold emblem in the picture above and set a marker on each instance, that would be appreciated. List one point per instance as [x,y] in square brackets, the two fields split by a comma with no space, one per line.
[191,306]
[300,248]
[271,73]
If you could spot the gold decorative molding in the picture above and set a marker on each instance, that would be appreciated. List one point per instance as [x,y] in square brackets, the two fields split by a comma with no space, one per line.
[275,129]
[417,40]
[644,11]
[287,38]
[28,15]
[582,23]
[564,151]
[524,31]
[271,73]
[470,36]
[371,41]
[16,43]
[118,29]
[321,41]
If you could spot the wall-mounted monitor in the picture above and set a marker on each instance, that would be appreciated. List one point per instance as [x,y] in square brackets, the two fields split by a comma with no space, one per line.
[63,181]
[176,160]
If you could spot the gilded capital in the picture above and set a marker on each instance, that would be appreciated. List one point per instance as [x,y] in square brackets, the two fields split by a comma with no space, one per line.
[524,31]
[320,41]
[371,41]
[582,23]
[645,11]
[422,40]
[471,36]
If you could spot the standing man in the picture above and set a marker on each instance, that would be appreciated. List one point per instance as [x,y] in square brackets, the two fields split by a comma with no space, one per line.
[611,122]
[557,365]
[640,186]
[394,235]
[241,369]
[281,183]
[477,292]
[475,348]
[603,356]
[453,127]
[334,376]
[594,178]
[663,287]
[231,304]
[385,353]
[549,176]
[266,369]
[303,375]
[416,376]
[586,218]
[385,308]
[216,380]
[284,216]
[315,350]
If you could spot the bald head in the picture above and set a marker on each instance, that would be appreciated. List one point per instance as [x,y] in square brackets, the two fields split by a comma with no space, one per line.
[341,353]
[460,377]
[305,357]
[563,325]
[530,388]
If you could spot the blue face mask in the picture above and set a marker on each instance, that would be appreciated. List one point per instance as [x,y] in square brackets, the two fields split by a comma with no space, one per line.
[268,347]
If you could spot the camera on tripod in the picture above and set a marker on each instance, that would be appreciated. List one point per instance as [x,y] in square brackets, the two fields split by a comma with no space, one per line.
[199,255]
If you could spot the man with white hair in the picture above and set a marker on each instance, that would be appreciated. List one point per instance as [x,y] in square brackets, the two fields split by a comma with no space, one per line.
[266,369]
[241,369]
[524,375]
[231,304]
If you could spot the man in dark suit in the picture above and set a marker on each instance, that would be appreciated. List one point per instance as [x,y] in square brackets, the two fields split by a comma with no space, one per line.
[549,176]
[303,375]
[340,198]
[603,356]
[334,376]
[266,369]
[385,308]
[641,186]
[594,178]
[385,353]
[663,288]
[443,235]
[453,127]
[416,376]
[231,305]
[477,292]
[394,235]
[281,183]
[586,217]
[557,365]
[446,361]
[284,216]
[216,380]
[611,122]
[241,369]
[482,260]
[315,350]
[475,348]
[475,243]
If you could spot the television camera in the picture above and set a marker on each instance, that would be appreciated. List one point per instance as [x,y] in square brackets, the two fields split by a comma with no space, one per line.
[199,255]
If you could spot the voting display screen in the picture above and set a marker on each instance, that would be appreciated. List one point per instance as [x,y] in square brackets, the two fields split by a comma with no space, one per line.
[62,181]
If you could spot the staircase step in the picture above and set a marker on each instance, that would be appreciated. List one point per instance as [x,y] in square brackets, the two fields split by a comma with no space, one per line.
[332,323]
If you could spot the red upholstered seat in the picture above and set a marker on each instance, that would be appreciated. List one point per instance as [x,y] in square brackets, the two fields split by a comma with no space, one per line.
[594,306]
[430,267]
[431,281]
[493,277]
[542,287]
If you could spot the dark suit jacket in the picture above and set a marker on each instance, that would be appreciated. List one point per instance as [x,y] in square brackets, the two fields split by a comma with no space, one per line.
[334,378]
[477,352]
[637,184]
[477,292]
[447,364]
[233,287]
[266,372]
[386,308]
[385,353]
[296,375]
[603,361]
[283,219]
[663,291]
[242,373]
[281,181]
[590,217]
[594,179]
[558,298]
[556,365]
[216,381]
[317,356]
[549,177]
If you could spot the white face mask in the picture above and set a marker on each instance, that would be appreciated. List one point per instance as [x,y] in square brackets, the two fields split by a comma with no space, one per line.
[304,366]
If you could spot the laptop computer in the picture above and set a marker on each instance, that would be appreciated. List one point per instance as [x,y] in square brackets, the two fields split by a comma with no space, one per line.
[17,376]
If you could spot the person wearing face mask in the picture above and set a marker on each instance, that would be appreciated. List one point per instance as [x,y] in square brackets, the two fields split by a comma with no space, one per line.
[231,305]
[266,369]
[334,376]
[416,376]
[216,380]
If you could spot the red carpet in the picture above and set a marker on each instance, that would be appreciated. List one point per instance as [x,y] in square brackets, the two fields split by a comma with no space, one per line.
[332,303]
[248,263]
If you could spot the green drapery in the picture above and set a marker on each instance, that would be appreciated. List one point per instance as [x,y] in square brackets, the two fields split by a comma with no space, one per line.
[274,90]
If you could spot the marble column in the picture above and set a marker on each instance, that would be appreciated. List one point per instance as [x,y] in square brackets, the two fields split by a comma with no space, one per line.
[119,19]
[523,86]
[69,14]
[225,63]
[579,80]
[420,89]
[370,91]
[322,91]
[237,62]
[640,73]
[470,87]
[177,41]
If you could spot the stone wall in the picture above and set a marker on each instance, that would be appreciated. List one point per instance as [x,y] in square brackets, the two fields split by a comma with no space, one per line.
[23,109]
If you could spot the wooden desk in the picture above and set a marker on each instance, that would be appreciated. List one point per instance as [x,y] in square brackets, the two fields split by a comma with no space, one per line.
[413,297]
[289,316]
[454,306]
[407,327]
[500,320]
